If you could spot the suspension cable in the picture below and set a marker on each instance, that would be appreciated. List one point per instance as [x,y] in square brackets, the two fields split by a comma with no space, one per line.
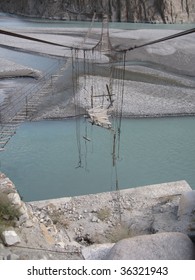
[186,32]
[183,33]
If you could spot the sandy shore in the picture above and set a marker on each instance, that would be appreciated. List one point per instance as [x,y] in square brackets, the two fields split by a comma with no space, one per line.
[159,79]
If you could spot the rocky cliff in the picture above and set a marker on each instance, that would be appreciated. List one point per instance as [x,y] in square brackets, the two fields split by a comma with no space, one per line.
[164,11]
[99,226]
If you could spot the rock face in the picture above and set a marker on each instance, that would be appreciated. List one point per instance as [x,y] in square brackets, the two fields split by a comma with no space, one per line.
[160,246]
[165,11]
[186,213]
[96,251]
[8,188]
[187,204]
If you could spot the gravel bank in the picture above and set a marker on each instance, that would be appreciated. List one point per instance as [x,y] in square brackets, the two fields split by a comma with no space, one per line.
[13,70]
[159,78]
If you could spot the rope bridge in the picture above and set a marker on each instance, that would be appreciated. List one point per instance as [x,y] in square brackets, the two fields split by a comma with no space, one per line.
[23,105]
[16,110]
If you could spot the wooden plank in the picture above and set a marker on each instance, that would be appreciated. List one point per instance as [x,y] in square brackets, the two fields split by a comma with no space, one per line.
[110,96]
[101,95]
[99,116]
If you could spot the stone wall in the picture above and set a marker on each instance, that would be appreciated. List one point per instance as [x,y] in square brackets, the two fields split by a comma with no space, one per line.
[164,11]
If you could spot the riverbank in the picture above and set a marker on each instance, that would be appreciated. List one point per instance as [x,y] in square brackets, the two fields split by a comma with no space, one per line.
[13,70]
[159,79]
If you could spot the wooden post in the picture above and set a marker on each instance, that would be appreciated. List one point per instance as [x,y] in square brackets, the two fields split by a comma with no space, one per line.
[91,96]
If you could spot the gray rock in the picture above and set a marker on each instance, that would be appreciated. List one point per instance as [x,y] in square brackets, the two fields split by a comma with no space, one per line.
[186,204]
[60,244]
[186,211]
[13,257]
[28,224]
[23,218]
[4,252]
[23,210]
[10,237]
[160,246]
[15,199]
[95,220]
[96,251]
[164,222]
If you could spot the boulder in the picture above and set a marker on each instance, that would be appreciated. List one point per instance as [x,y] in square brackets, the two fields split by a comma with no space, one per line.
[10,237]
[160,246]
[186,213]
[13,257]
[8,188]
[186,204]
[96,251]
[15,199]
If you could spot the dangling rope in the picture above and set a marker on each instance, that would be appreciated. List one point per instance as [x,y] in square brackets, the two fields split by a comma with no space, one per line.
[75,76]
[89,31]
[122,100]
[86,77]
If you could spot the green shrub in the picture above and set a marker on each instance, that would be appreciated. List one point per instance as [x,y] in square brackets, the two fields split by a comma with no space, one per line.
[8,213]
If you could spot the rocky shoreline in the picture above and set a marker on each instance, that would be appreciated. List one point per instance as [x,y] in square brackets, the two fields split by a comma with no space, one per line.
[92,226]
[13,70]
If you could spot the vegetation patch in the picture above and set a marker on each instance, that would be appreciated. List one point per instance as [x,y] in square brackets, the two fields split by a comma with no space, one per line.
[104,213]
[8,212]
[119,232]
[59,219]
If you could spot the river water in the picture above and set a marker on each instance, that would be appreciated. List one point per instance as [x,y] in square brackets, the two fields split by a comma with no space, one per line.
[42,156]
[9,21]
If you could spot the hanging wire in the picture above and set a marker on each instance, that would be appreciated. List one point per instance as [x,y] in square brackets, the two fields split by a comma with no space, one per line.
[75,77]
[121,100]
[179,34]
[76,251]
[86,72]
